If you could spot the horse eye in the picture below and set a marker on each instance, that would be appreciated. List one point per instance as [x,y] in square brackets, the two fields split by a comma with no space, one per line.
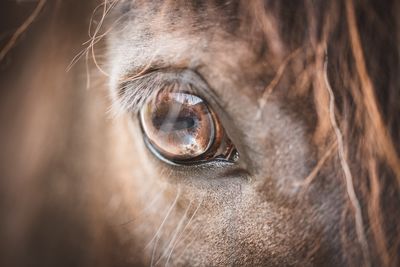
[180,127]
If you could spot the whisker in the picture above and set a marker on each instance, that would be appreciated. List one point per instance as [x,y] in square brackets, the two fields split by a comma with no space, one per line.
[86,49]
[146,208]
[175,232]
[94,39]
[106,10]
[157,234]
[184,229]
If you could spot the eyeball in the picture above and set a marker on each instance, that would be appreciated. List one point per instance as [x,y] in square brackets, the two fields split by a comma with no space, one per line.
[180,127]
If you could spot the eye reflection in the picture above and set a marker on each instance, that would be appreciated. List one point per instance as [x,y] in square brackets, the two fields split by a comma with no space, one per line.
[182,128]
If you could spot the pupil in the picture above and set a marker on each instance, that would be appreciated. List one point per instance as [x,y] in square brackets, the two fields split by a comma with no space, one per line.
[182,123]
[169,124]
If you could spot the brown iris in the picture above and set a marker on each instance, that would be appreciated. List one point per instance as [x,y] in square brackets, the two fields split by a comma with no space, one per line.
[181,127]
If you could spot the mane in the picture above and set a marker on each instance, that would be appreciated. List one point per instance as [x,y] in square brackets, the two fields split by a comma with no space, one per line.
[352,74]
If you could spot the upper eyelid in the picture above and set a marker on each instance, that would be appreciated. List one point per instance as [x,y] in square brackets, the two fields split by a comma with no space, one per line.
[132,93]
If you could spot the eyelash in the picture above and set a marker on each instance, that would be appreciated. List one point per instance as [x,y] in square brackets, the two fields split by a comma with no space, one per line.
[133,93]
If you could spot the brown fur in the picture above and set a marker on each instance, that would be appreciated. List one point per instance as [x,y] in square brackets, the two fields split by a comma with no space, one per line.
[307,90]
